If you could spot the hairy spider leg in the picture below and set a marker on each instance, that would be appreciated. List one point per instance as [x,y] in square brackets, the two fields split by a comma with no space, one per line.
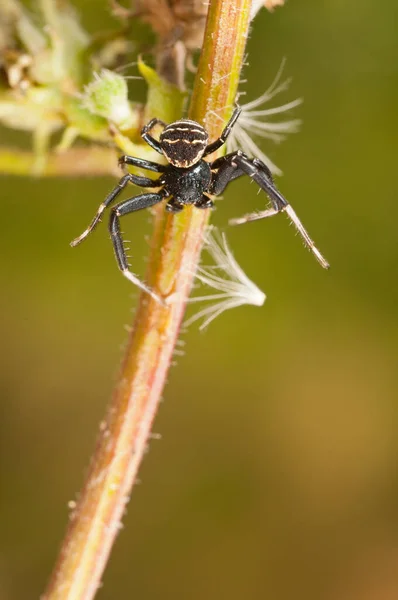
[129,178]
[148,138]
[223,137]
[142,163]
[279,203]
[236,164]
[124,208]
[225,171]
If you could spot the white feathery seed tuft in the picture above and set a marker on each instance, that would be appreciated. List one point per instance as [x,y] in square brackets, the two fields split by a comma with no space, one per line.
[226,276]
[252,122]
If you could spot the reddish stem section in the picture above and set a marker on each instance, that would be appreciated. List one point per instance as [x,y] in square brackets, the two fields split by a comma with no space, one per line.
[175,251]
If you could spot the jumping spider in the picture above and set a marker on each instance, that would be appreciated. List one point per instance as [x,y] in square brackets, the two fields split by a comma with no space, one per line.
[189,179]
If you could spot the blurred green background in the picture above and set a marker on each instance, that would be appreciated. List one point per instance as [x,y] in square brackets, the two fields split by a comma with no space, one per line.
[276,472]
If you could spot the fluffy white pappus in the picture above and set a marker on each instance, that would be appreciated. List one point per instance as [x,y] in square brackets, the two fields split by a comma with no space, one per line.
[255,121]
[227,277]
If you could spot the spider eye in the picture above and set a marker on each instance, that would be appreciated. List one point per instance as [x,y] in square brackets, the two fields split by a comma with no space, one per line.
[184,143]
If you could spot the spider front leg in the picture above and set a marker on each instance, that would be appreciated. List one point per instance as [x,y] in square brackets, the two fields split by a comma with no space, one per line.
[224,135]
[236,164]
[142,163]
[148,138]
[129,178]
[226,170]
[124,208]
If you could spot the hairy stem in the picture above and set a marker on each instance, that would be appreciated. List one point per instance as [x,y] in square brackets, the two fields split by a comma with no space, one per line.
[175,251]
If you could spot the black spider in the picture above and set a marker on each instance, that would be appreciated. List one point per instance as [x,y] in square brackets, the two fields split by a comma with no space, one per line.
[189,179]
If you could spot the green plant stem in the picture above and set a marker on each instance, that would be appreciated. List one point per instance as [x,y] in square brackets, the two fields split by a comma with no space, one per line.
[76,162]
[175,251]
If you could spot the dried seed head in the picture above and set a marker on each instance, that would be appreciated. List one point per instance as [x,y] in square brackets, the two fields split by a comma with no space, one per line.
[179,26]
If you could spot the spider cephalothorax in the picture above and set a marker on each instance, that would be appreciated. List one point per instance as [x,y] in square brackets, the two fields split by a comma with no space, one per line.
[189,179]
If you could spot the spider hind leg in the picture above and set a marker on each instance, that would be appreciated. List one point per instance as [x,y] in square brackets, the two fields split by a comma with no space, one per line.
[236,164]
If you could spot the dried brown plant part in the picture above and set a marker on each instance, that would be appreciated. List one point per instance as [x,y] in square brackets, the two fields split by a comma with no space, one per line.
[179,26]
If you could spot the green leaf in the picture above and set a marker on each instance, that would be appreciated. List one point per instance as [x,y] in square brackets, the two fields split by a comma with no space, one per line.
[164,101]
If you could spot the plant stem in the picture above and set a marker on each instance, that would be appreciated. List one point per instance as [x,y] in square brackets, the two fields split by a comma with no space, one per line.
[76,162]
[175,251]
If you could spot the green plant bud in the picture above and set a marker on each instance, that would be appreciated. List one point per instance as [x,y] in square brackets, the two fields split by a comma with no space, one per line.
[107,96]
